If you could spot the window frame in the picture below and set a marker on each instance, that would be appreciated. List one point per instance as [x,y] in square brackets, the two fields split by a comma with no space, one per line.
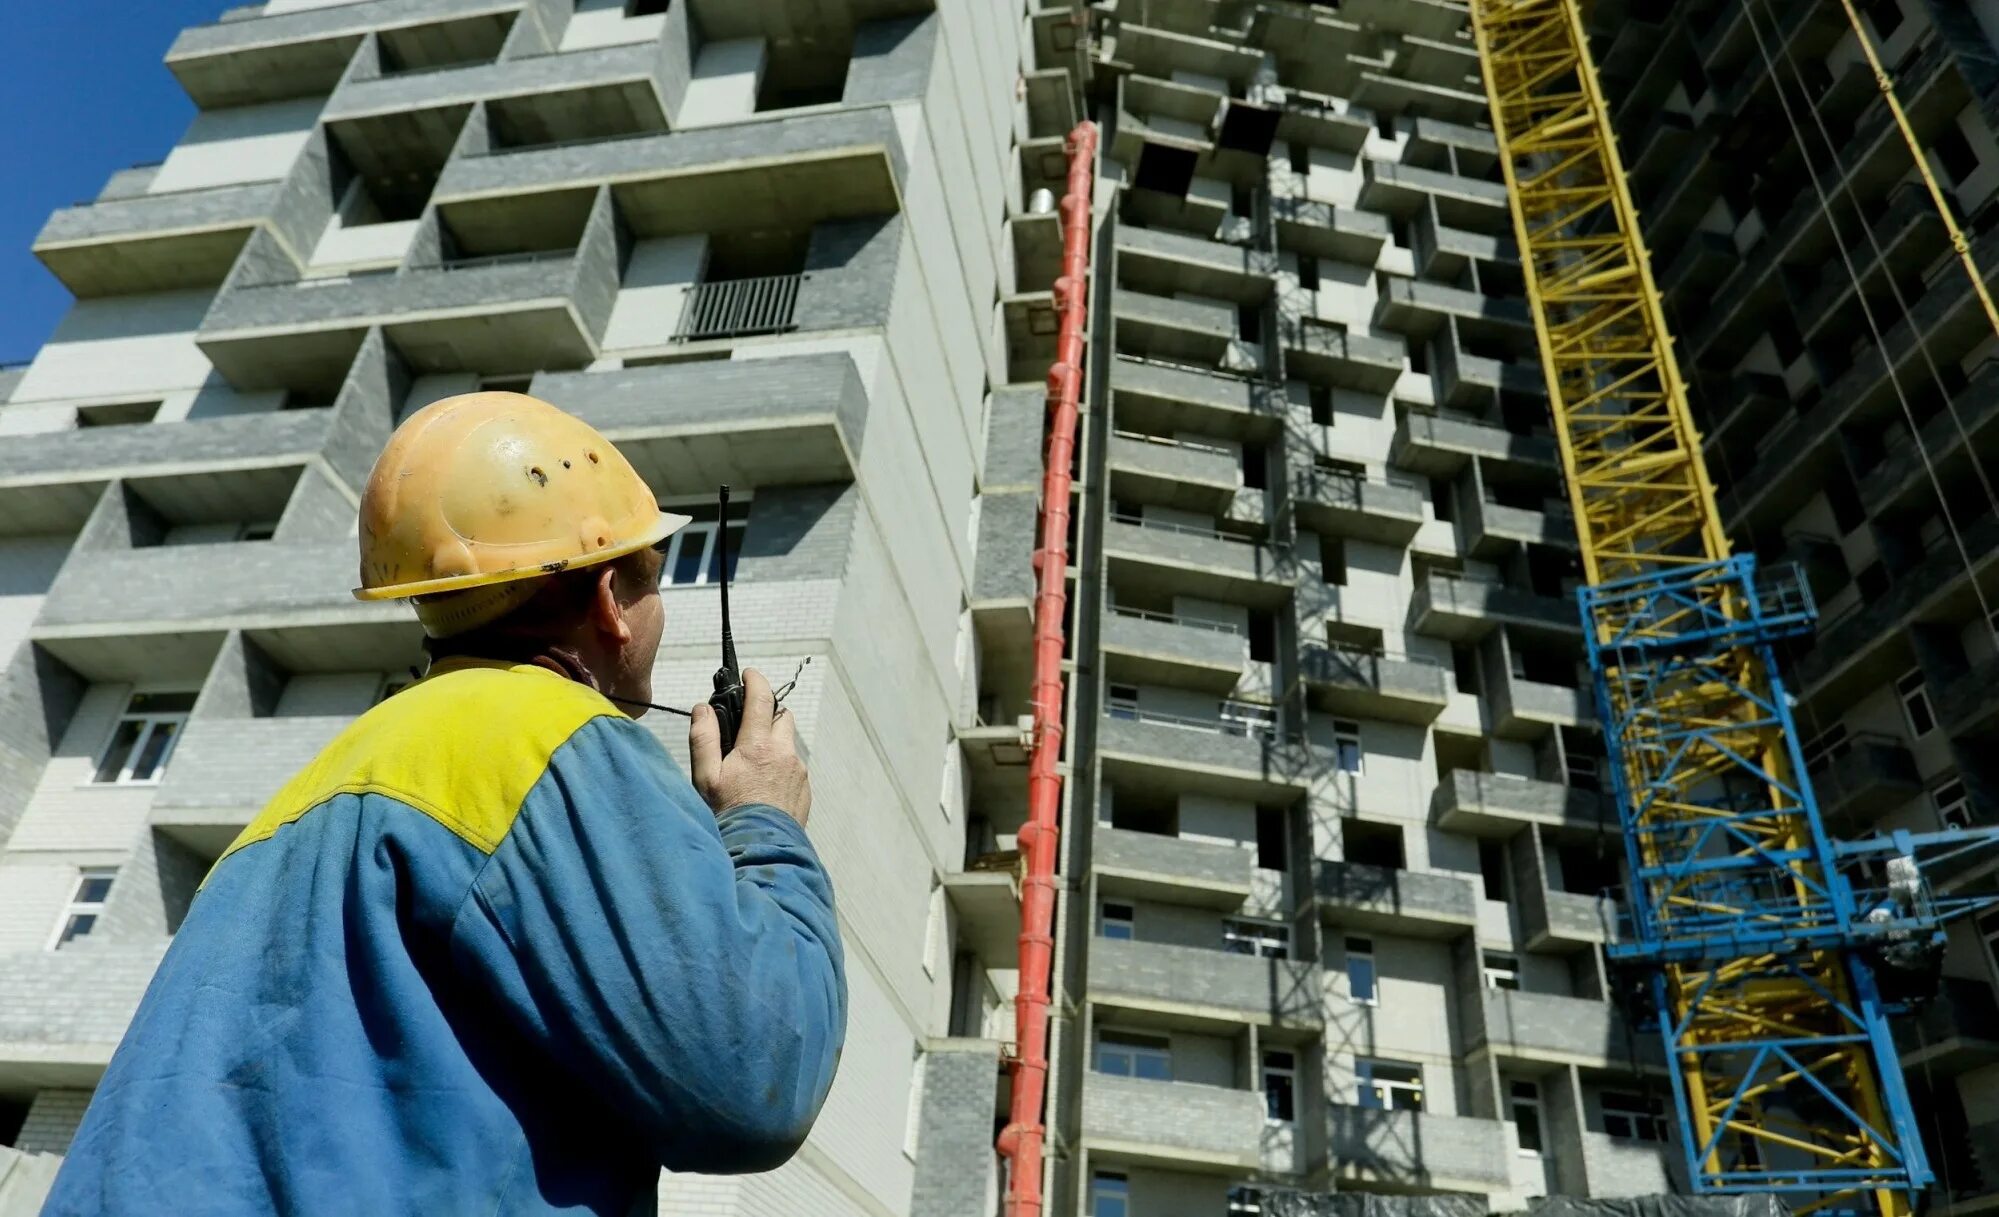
[148,722]
[1129,920]
[1347,731]
[1261,936]
[1945,803]
[708,530]
[1530,1100]
[1286,1073]
[1110,1185]
[1366,952]
[1367,1080]
[1121,702]
[1907,695]
[1493,975]
[1137,1047]
[1644,1117]
[76,906]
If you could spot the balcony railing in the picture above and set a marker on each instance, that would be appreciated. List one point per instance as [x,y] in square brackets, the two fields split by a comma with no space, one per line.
[1192,623]
[1167,441]
[739,308]
[1230,719]
[1189,530]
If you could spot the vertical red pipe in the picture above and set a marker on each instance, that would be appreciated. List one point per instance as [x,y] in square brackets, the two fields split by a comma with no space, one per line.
[1022,1139]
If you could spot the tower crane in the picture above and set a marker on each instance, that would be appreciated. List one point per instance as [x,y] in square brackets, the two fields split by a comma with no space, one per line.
[1768,952]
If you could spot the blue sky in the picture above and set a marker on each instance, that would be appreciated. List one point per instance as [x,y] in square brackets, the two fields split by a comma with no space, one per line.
[87,95]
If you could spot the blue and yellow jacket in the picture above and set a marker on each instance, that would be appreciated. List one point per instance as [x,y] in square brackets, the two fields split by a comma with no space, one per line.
[488,953]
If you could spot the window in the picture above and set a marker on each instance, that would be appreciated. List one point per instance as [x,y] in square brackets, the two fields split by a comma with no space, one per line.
[1633,1117]
[1267,939]
[1121,701]
[1245,1201]
[1502,971]
[1246,718]
[1301,157]
[86,904]
[1825,747]
[1346,746]
[646,8]
[1916,703]
[1125,1055]
[1280,1077]
[1523,1105]
[1271,847]
[256,532]
[1320,398]
[124,413]
[1362,984]
[144,738]
[1952,802]
[1333,560]
[1492,869]
[1308,279]
[1389,1085]
[1115,921]
[1249,322]
[1110,1195]
[1366,843]
[692,556]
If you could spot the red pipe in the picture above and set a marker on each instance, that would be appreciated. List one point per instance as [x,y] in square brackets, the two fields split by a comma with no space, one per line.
[1022,1138]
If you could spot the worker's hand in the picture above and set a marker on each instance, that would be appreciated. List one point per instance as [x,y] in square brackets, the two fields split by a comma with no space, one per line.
[762,768]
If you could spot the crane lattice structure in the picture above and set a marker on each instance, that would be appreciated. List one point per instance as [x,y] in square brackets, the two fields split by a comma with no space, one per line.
[1759,939]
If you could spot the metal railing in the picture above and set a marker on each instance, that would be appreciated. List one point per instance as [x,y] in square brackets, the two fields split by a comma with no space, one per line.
[1183,529]
[1221,724]
[1192,623]
[515,259]
[1168,441]
[738,308]
[1356,651]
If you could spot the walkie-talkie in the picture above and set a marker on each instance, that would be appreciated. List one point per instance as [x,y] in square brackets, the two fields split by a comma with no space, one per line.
[727,700]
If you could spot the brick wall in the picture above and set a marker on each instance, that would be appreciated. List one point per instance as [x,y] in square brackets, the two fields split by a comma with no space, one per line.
[52,1120]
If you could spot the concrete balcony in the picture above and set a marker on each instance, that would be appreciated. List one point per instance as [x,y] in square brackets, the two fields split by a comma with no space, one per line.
[1140,647]
[1703,263]
[1526,709]
[1412,904]
[1159,752]
[610,89]
[1161,326]
[1958,1029]
[1185,474]
[1371,684]
[1321,230]
[776,171]
[1165,397]
[1162,984]
[1464,609]
[153,242]
[1500,805]
[1965,706]
[225,770]
[1491,530]
[1173,559]
[304,52]
[1158,51]
[1861,648]
[1552,1030]
[1418,308]
[1417,1150]
[1157,259]
[128,610]
[1442,59]
[1181,1126]
[508,313]
[1439,445]
[1461,202]
[1899,481]
[1342,504]
[1552,920]
[1616,1167]
[1443,252]
[66,1011]
[1869,774]
[57,475]
[1151,866]
[1464,381]
[794,419]
[1325,355]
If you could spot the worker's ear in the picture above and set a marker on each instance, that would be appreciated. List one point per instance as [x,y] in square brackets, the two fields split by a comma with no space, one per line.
[607,615]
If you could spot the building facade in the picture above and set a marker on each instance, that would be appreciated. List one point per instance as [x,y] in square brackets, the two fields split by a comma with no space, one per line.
[1335,860]
[1842,369]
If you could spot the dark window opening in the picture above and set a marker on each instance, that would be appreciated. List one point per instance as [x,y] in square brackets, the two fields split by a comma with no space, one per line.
[1249,322]
[1255,467]
[1301,158]
[13,1114]
[1166,169]
[1464,668]
[1784,336]
[1333,560]
[1441,498]
[1587,869]
[1308,273]
[1140,813]
[1272,842]
[1242,200]
[1372,844]
[1321,398]
[1419,357]
[1847,510]
[119,414]
[1886,16]
[1492,869]
[1955,155]
[646,8]
[1247,128]
[1385,124]
[1262,636]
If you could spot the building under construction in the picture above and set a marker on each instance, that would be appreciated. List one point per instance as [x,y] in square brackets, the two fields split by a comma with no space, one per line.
[1339,853]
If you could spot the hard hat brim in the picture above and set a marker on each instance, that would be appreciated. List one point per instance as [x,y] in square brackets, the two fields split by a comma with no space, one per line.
[666,525]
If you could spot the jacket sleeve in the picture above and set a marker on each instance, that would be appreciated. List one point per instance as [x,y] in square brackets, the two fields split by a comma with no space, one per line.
[686,967]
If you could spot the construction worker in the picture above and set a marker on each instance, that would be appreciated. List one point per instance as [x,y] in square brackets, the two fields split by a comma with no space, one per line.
[490,952]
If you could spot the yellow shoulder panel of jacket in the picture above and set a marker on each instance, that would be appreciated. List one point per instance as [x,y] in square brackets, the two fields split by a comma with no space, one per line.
[463,746]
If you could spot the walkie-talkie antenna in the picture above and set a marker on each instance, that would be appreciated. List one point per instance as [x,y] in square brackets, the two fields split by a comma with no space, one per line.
[722,546]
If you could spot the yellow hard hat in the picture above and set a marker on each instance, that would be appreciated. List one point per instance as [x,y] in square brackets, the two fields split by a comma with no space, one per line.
[494,491]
